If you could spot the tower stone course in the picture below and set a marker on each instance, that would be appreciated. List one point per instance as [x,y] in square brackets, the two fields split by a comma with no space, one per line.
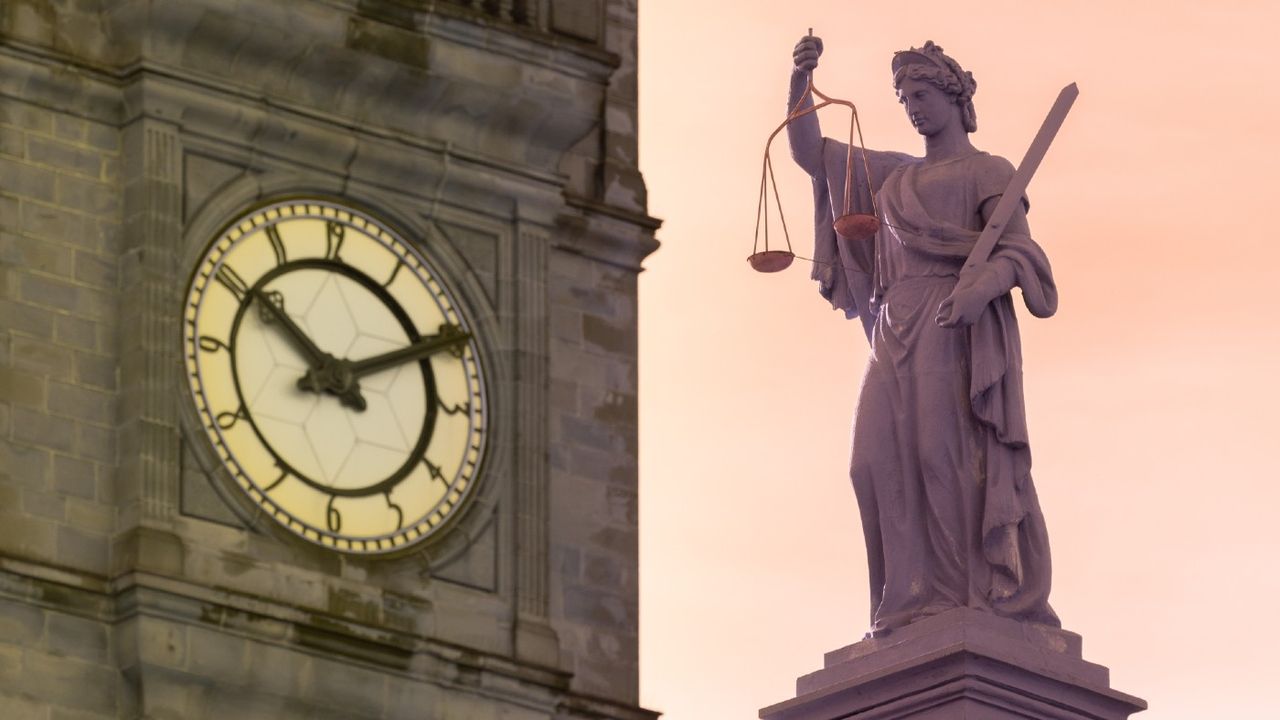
[135,579]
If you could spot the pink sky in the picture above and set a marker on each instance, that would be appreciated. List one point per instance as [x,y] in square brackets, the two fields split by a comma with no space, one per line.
[1152,395]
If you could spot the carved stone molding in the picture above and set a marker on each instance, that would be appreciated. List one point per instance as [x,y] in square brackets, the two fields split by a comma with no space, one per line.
[149,463]
[534,639]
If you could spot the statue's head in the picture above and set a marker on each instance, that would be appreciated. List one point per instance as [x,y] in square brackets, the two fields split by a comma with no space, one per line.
[929,64]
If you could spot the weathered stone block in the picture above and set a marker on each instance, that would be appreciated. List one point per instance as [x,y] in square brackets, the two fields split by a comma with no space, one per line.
[25,116]
[48,677]
[103,137]
[217,656]
[605,571]
[52,223]
[12,142]
[25,466]
[577,18]
[96,443]
[21,624]
[81,403]
[160,642]
[408,699]
[14,707]
[75,332]
[277,670]
[597,608]
[27,181]
[48,292]
[44,430]
[82,550]
[22,388]
[96,370]
[41,358]
[37,255]
[9,213]
[71,129]
[63,156]
[76,637]
[90,516]
[85,195]
[44,505]
[61,713]
[343,686]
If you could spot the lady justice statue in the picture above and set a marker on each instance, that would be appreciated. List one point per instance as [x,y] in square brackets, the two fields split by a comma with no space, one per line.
[941,465]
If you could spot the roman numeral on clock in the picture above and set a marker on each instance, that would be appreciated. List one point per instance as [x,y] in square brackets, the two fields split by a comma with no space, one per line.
[336,233]
[277,244]
[232,281]
[436,473]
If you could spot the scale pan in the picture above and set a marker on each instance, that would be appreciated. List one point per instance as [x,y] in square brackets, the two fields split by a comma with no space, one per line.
[857,226]
[771,260]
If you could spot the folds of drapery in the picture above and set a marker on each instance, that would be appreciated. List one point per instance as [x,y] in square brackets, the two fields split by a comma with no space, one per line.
[1017,549]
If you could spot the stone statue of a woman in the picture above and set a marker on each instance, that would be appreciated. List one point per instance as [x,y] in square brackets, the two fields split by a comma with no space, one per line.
[941,465]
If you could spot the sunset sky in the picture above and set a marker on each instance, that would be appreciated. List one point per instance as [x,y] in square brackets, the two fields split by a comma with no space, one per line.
[1152,394]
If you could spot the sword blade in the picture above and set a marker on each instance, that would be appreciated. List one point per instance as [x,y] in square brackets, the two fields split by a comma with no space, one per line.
[1022,177]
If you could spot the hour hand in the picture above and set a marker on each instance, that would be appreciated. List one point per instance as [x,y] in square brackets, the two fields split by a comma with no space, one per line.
[276,314]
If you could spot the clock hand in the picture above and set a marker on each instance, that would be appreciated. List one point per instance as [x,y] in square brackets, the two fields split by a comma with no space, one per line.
[326,373]
[449,336]
[341,377]
[315,357]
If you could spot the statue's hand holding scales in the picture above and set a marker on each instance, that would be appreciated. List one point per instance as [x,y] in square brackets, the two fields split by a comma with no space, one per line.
[807,52]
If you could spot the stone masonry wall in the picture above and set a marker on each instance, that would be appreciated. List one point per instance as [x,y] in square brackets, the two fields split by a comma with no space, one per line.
[59,235]
[594,536]
[59,231]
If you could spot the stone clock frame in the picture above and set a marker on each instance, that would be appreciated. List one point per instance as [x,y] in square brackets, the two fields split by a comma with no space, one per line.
[510,312]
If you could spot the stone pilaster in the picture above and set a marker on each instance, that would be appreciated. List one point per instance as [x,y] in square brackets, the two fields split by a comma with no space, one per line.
[534,639]
[150,299]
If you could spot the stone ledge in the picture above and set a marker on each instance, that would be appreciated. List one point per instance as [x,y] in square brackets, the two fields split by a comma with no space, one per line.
[388,651]
[1048,650]
[960,664]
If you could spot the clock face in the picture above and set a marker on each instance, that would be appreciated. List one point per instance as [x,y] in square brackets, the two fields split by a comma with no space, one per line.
[336,377]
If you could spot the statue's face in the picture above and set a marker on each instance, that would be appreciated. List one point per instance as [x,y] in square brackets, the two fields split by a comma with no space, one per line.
[929,109]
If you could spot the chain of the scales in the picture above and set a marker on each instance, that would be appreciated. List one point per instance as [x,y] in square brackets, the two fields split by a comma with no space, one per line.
[852,226]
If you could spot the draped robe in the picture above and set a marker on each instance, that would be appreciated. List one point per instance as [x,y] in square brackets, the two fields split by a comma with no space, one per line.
[941,462]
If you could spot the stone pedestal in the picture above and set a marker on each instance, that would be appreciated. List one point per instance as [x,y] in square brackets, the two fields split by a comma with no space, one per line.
[960,665]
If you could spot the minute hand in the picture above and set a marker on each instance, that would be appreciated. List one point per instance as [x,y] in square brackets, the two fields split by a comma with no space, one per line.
[449,336]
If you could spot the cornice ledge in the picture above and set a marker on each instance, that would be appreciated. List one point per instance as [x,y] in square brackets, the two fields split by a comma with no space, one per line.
[591,707]
[606,233]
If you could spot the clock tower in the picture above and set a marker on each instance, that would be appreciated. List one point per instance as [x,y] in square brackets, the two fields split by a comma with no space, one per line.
[318,359]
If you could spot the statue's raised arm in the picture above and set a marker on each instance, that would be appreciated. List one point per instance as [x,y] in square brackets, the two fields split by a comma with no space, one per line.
[805,133]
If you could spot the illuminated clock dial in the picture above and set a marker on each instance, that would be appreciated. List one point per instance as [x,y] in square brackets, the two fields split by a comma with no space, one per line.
[337,379]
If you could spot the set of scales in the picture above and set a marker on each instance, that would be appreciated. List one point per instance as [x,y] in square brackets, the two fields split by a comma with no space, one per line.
[861,227]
